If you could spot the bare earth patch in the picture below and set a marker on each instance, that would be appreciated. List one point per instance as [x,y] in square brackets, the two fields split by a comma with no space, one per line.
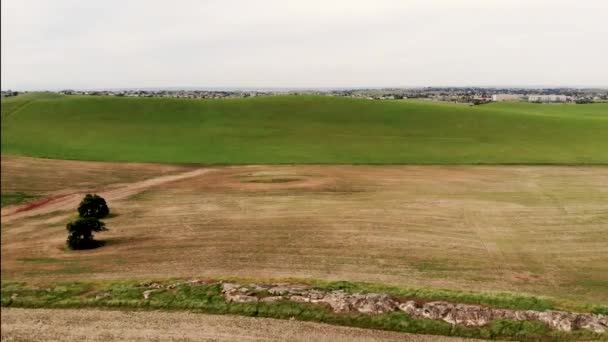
[101,325]
[536,229]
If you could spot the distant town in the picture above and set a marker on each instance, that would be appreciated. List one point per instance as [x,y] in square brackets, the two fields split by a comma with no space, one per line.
[469,95]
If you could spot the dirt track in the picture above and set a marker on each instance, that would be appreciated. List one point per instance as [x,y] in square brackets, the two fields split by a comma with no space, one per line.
[70,201]
[46,177]
[34,325]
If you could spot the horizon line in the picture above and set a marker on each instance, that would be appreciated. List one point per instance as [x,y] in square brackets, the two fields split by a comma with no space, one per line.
[292,88]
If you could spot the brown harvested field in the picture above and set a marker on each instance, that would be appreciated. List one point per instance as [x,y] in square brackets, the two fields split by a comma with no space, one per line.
[534,229]
[99,325]
[51,176]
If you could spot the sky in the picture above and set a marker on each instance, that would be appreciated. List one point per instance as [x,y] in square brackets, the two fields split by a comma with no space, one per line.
[102,44]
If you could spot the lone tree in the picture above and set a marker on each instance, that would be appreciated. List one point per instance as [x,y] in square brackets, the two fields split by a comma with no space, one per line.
[93,206]
[80,232]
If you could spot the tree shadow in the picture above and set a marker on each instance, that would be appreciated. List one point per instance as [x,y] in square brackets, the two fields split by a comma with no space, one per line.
[119,241]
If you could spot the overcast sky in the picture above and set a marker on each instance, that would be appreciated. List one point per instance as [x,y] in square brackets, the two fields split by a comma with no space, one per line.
[302,43]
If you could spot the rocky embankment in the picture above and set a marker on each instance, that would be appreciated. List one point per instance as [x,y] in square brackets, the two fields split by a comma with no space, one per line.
[378,303]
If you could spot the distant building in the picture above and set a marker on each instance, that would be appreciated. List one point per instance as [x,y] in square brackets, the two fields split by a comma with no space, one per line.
[507,97]
[548,98]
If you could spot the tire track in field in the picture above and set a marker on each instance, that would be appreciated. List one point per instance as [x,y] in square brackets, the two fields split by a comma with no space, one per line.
[487,239]
[70,201]
[18,109]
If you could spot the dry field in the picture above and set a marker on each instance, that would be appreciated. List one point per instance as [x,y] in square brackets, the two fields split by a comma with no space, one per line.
[48,176]
[33,325]
[533,229]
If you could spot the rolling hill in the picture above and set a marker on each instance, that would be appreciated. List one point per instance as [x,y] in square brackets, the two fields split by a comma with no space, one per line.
[302,129]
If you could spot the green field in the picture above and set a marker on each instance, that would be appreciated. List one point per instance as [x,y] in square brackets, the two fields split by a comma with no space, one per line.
[302,129]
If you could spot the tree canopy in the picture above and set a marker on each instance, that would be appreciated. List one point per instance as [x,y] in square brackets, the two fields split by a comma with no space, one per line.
[93,206]
[80,232]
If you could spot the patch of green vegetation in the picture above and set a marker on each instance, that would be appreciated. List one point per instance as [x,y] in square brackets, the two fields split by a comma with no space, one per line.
[429,265]
[304,129]
[41,260]
[73,269]
[15,198]
[602,310]
[67,266]
[208,299]
[41,295]
[272,180]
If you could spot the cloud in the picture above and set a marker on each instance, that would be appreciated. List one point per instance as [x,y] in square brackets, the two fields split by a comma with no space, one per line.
[276,43]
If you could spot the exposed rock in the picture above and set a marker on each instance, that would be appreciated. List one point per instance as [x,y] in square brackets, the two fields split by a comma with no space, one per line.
[241,298]
[299,299]
[316,294]
[341,302]
[278,290]
[560,320]
[468,315]
[475,315]
[229,287]
[196,282]
[462,314]
[378,303]
[238,294]
[298,289]
[102,295]
[372,303]
[338,302]
[593,323]
[408,307]
[244,290]
[260,287]
[271,299]
[148,293]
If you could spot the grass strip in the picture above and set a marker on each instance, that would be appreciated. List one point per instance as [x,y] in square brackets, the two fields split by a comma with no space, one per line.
[15,198]
[207,298]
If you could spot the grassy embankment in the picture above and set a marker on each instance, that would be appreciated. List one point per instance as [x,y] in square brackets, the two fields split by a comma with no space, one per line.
[208,299]
[302,129]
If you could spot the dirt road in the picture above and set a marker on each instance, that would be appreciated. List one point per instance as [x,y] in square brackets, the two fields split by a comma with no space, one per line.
[108,326]
[69,201]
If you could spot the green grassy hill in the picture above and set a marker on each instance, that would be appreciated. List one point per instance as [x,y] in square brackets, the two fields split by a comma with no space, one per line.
[302,129]
[11,105]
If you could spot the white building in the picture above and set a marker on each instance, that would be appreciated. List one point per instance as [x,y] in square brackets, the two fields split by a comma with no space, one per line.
[507,97]
[547,98]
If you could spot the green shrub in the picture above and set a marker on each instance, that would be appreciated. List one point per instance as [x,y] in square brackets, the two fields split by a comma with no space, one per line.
[80,233]
[93,206]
